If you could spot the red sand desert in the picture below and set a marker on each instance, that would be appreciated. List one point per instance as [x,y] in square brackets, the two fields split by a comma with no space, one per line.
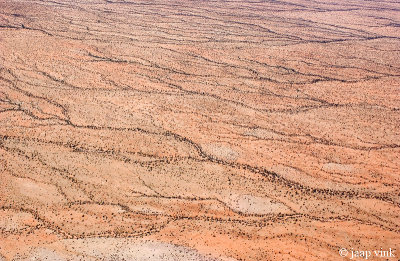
[199,130]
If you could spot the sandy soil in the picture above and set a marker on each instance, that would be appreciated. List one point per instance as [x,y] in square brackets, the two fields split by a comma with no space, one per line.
[199,130]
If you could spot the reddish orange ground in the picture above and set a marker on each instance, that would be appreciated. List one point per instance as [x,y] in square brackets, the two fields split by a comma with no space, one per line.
[199,130]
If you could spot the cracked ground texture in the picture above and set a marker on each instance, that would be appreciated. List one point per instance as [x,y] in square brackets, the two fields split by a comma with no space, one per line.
[198,130]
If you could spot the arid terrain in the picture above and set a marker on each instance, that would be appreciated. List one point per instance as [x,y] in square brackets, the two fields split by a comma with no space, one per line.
[199,130]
